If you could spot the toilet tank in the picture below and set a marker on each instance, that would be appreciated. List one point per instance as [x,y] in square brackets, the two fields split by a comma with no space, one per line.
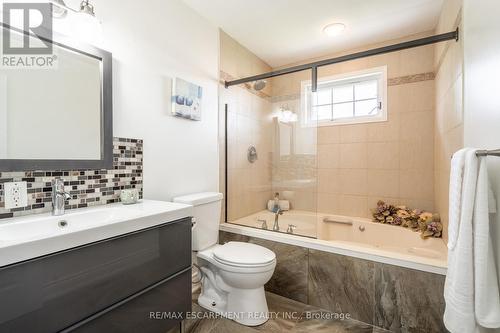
[207,210]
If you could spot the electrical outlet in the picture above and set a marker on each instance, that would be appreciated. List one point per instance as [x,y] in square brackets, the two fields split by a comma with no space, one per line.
[16,195]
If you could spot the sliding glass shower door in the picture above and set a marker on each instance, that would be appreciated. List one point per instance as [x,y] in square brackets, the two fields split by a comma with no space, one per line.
[272,155]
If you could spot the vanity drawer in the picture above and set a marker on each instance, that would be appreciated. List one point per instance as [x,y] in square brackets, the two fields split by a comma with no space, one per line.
[145,313]
[51,293]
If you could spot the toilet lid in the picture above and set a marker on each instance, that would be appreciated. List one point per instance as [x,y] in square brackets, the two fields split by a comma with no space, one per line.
[243,254]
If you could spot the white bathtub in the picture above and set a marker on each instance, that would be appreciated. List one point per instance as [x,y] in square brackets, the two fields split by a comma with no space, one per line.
[352,236]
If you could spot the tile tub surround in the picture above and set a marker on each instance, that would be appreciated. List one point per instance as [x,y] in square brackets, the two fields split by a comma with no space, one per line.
[449,118]
[394,298]
[86,187]
[249,123]
[393,160]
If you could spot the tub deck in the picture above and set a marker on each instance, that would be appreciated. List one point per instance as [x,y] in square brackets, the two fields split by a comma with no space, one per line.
[351,236]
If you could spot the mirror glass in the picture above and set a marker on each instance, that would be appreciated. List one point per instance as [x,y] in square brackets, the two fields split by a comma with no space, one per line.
[52,113]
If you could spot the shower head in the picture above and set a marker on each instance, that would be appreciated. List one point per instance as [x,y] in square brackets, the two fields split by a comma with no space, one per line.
[259,85]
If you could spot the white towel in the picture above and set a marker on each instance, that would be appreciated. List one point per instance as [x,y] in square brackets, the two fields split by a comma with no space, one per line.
[459,284]
[471,288]
[455,196]
[487,296]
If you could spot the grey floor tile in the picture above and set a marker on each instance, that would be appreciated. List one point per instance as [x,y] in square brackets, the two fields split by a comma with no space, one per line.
[287,316]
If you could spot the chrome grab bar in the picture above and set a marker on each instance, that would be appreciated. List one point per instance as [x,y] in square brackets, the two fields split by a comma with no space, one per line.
[330,220]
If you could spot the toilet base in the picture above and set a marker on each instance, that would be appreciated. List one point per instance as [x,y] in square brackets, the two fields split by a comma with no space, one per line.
[244,306]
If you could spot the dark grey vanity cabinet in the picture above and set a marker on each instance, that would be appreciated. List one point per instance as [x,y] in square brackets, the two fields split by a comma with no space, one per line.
[112,285]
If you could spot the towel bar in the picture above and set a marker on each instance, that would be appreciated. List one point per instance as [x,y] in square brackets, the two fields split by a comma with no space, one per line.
[480,153]
[495,152]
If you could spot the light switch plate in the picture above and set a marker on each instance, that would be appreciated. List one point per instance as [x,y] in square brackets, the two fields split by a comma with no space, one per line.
[16,195]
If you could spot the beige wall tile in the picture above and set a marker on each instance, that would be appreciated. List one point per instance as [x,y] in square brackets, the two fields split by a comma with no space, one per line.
[418,96]
[305,200]
[395,103]
[417,60]
[416,184]
[353,181]
[248,123]
[383,183]
[416,125]
[417,154]
[383,155]
[328,156]
[351,205]
[449,110]
[328,134]
[329,181]
[384,131]
[391,60]
[328,203]
[353,133]
[353,156]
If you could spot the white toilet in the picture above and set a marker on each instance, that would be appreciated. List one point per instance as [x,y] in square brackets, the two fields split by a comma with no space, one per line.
[234,274]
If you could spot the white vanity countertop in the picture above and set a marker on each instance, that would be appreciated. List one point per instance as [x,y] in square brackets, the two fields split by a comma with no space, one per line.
[27,237]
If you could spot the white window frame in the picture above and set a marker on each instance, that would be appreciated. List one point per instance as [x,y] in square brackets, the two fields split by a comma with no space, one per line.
[345,78]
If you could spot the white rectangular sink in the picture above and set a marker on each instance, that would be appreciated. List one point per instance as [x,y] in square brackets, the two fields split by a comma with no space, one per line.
[23,238]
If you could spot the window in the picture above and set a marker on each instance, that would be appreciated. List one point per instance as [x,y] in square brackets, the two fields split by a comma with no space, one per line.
[351,98]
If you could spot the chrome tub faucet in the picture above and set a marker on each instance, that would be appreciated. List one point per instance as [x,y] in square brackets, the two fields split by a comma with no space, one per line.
[59,197]
[291,228]
[276,226]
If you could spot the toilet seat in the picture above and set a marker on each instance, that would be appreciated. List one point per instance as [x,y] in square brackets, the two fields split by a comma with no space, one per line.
[243,255]
[208,255]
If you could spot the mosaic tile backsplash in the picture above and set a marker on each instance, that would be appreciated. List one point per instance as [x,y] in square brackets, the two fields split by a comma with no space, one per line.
[86,187]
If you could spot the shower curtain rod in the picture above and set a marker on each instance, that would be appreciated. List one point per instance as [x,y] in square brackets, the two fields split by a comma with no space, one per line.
[313,66]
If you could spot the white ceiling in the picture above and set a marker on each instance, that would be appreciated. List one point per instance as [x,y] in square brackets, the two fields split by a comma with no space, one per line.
[285,31]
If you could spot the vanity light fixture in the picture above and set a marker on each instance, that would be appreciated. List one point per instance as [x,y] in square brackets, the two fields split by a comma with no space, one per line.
[87,8]
[85,25]
[60,9]
[333,29]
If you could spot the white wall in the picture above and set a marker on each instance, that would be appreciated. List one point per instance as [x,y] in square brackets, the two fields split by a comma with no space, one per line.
[151,43]
[482,86]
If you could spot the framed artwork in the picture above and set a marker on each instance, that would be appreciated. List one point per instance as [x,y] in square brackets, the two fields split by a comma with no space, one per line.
[186,99]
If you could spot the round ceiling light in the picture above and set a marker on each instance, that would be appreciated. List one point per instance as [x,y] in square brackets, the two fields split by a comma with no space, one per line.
[334,29]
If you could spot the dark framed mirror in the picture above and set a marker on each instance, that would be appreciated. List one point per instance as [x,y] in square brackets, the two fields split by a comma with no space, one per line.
[56,109]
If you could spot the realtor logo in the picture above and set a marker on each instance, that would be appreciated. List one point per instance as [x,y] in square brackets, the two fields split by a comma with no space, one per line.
[27,35]
[42,28]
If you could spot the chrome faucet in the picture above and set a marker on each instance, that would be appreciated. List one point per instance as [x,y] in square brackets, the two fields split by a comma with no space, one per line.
[276,226]
[291,228]
[59,197]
